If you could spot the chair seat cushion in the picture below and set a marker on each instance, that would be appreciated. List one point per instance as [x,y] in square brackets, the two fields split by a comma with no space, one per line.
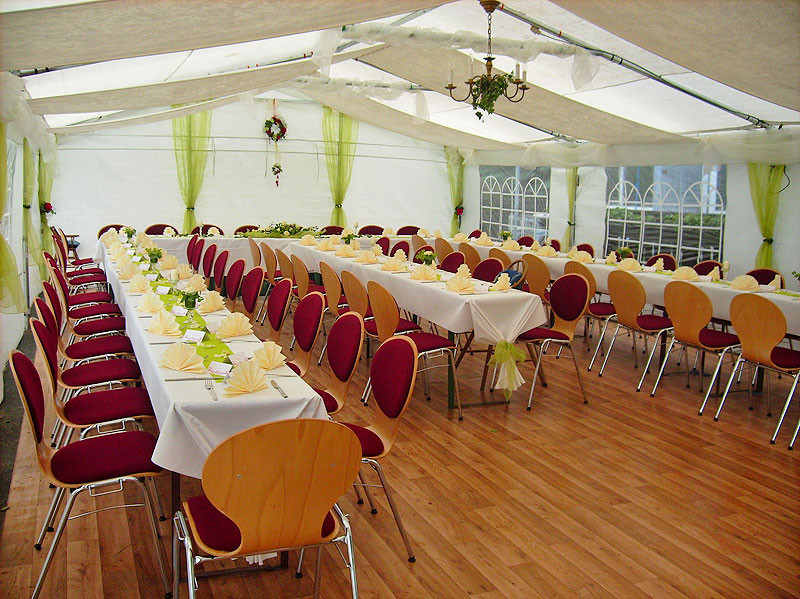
[87,279]
[602,309]
[651,322]
[312,287]
[331,404]
[104,457]
[294,368]
[113,404]
[94,310]
[85,271]
[403,326]
[101,325]
[77,299]
[540,333]
[79,261]
[113,344]
[219,532]
[717,339]
[429,342]
[101,372]
[371,444]
[786,358]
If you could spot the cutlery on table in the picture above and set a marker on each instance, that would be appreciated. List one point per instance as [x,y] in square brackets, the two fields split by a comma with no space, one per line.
[210,386]
[278,387]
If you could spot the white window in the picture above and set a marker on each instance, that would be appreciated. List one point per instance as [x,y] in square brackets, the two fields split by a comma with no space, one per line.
[515,199]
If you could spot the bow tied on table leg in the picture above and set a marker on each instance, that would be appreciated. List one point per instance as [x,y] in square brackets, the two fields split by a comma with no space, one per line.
[506,355]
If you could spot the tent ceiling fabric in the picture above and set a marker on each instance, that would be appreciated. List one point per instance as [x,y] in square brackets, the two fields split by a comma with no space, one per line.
[752,45]
[380,115]
[539,108]
[182,91]
[100,31]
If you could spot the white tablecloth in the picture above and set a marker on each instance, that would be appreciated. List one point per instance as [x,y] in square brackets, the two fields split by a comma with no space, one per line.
[191,424]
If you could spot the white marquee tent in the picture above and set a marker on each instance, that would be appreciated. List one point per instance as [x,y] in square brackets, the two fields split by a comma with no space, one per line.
[613,84]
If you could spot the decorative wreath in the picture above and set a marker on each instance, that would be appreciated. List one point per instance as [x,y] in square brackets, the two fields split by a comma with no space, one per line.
[275,128]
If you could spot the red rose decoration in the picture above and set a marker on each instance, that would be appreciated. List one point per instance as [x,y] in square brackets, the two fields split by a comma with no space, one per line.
[459,211]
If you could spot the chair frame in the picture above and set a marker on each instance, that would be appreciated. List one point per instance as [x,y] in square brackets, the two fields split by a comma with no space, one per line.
[500,255]
[303,357]
[442,248]
[272,333]
[471,256]
[336,387]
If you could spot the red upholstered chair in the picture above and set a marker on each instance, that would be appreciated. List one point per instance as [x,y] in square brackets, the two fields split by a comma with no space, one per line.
[271,272]
[76,300]
[475,234]
[407,230]
[761,327]
[208,261]
[600,311]
[370,230]
[85,273]
[268,489]
[388,322]
[384,243]
[346,338]
[277,309]
[158,229]
[452,261]
[400,245]
[629,298]
[302,281]
[331,230]
[197,254]
[765,276]
[87,328]
[569,296]
[233,281]
[670,263]
[77,266]
[394,369]
[525,240]
[307,323]
[586,247]
[219,269]
[425,248]
[190,247]
[555,244]
[245,229]
[251,289]
[205,229]
[706,266]
[92,464]
[487,270]
[690,311]
[105,228]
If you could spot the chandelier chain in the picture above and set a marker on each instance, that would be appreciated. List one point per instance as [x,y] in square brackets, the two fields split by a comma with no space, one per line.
[490,34]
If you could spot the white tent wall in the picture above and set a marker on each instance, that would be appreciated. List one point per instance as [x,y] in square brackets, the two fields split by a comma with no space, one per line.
[129,176]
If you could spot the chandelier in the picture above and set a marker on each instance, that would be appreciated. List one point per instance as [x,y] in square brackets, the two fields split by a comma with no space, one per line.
[485,90]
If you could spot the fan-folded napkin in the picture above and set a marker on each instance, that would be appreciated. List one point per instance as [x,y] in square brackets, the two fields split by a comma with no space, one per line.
[335,239]
[128,270]
[325,245]
[685,273]
[195,283]
[212,301]
[510,244]
[377,250]
[345,251]
[582,257]
[745,283]
[183,357]
[393,264]
[150,303]
[247,377]
[629,264]
[164,323]
[776,282]
[484,240]
[235,325]
[438,233]
[366,257]
[547,251]
[401,255]
[503,282]
[169,232]
[389,232]
[463,271]
[169,261]
[659,264]
[139,284]
[423,272]
[460,237]
[347,231]
[423,232]
[308,240]
[184,271]
[269,355]
[214,232]
[715,274]
[354,243]
[460,284]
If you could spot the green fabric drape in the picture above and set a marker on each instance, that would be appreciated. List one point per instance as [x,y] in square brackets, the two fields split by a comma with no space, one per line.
[190,136]
[765,185]
[455,173]
[340,134]
[12,300]
[30,233]
[572,191]
[45,187]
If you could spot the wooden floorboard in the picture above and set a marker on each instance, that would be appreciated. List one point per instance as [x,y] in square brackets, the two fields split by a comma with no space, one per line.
[626,497]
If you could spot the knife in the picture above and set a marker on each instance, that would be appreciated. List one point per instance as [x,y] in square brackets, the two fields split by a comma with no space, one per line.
[278,387]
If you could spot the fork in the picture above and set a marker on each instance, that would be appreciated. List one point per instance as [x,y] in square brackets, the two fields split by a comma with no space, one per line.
[210,386]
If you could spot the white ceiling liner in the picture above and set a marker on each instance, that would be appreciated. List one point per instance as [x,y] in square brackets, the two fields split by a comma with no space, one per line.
[752,45]
[181,91]
[125,28]
[539,108]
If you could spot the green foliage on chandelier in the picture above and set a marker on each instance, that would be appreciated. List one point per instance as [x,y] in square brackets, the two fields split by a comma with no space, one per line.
[487,90]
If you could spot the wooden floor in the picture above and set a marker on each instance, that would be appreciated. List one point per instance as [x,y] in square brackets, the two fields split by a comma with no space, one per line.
[625,497]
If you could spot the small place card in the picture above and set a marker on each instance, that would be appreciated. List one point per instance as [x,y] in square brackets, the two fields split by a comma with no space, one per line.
[131,252]
[179,311]
[161,289]
[219,368]
[127,245]
[143,267]
[238,358]
[193,336]
[152,277]
[136,259]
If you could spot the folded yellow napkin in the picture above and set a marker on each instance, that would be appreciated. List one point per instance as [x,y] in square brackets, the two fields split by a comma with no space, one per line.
[183,357]
[535,247]
[460,237]
[184,271]
[423,232]
[150,303]
[715,274]
[460,284]
[335,239]
[195,283]
[164,323]
[214,232]
[572,251]
[685,273]
[147,243]
[366,257]
[629,264]
[325,245]
[659,264]
[423,272]
[726,266]
[389,232]
[308,240]
[355,244]
[582,257]
[463,271]
[503,282]
[377,250]
[401,255]
[393,264]
[169,262]
[138,284]
[169,232]
[109,237]
[234,325]
[117,251]
[141,237]
[127,271]
[124,260]
[212,301]
[247,377]
[745,283]
[547,251]
[484,240]
[347,231]
[438,233]
[611,258]
[510,244]
[776,282]
[269,355]
[345,251]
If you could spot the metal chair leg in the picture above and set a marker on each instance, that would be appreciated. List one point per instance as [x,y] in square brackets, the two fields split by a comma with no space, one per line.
[368,493]
[608,353]
[794,436]
[786,407]
[713,378]
[377,467]
[366,392]
[649,359]
[663,366]
[533,380]
[298,573]
[599,343]
[739,361]
[578,372]
[47,526]
[318,573]
[322,353]
[56,538]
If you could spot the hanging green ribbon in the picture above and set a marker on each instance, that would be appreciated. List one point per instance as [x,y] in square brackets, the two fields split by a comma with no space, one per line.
[506,355]
[12,298]
[455,174]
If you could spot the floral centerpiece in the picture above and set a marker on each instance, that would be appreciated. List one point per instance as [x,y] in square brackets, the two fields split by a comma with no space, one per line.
[624,252]
[282,229]
[796,275]
[275,130]
[129,231]
[505,235]
[426,257]
[154,254]
[189,299]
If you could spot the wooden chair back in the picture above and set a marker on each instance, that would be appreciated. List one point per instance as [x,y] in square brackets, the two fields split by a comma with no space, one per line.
[307,324]
[301,277]
[569,296]
[277,309]
[765,276]
[384,307]
[471,256]
[537,276]
[255,253]
[500,255]
[706,266]
[347,336]
[333,287]
[356,293]
[689,309]
[670,263]
[416,243]
[518,266]
[628,296]
[270,262]
[443,248]
[157,229]
[583,270]
[760,326]
[285,265]
[278,481]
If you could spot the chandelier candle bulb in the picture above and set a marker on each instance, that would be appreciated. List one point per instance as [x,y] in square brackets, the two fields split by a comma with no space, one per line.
[516,71]
[452,77]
